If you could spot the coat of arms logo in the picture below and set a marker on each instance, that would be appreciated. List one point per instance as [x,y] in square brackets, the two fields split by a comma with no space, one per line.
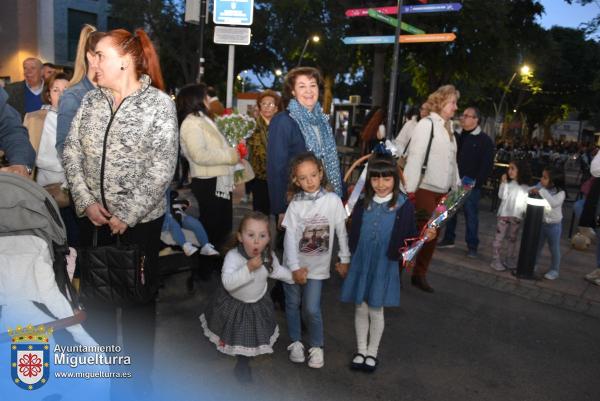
[30,356]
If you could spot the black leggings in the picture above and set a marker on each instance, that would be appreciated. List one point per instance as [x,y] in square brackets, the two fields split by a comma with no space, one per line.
[215,214]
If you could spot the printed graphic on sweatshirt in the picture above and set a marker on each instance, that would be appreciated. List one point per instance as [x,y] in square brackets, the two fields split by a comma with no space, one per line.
[315,237]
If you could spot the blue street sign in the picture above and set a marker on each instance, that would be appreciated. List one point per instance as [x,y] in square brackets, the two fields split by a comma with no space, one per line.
[233,12]
[431,8]
[368,40]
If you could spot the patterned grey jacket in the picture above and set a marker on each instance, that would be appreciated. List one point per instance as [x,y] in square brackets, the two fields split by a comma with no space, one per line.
[140,143]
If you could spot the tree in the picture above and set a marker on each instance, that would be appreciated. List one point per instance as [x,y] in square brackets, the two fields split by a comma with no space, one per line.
[591,26]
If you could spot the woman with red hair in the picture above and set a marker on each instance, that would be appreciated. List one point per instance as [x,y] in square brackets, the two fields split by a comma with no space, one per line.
[119,158]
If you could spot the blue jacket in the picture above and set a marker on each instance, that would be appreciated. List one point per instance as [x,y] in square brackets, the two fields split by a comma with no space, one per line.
[405,227]
[284,142]
[67,108]
[14,138]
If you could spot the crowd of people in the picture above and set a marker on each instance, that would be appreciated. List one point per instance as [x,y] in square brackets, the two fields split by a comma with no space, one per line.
[110,138]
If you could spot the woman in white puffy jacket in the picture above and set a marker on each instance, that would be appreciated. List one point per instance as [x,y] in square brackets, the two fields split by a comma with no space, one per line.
[426,186]
[211,159]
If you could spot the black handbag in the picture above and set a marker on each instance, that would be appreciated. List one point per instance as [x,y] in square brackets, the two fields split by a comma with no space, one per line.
[113,274]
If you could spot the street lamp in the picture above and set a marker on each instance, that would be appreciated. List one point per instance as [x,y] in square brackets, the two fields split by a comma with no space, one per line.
[278,72]
[314,38]
[524,71]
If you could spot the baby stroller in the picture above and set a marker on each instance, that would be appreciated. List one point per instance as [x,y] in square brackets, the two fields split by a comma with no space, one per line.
[31,227]
[35,287]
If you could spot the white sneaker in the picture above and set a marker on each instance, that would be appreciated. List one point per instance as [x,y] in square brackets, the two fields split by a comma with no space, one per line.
[209,250]
[296,352]
[189,249]
[551,275]
[315,358]
[592,275]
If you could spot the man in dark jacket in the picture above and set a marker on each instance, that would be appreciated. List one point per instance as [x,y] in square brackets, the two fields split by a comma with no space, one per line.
[14,140]
[26,96]
[475,159]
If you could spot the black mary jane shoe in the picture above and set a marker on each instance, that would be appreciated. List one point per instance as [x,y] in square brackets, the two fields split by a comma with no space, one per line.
[357,365]
[370,368]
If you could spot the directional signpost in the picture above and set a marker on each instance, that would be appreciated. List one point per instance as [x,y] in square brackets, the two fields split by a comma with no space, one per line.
[419,36]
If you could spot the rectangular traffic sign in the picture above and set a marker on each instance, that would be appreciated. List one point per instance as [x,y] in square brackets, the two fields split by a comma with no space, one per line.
[411,9]
[233,12]
[425,38]
[394,22]
[231,35]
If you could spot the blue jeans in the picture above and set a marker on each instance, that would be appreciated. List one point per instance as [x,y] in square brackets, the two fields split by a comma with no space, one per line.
[187,222]
[471,210]
[551,233]
[309,295]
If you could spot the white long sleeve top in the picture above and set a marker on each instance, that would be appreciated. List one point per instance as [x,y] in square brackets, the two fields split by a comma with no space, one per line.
[310,227]
[514,199]
[553,211]
[49,166]
[595,166]
[247,286]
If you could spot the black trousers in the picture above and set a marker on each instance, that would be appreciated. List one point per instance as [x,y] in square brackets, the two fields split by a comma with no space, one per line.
[215,214]
[260,196]
[136,324]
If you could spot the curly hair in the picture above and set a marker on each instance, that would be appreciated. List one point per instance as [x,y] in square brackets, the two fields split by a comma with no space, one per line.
[290,81]
[438,99]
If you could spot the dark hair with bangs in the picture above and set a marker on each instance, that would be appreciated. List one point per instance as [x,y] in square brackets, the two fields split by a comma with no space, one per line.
[382,166]
[523,171]
[557,178]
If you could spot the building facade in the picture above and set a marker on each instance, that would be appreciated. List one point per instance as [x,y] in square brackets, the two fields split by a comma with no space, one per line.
[46,29]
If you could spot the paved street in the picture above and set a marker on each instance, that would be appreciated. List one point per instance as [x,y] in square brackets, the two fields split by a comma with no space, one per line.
[465,342]
[481,336]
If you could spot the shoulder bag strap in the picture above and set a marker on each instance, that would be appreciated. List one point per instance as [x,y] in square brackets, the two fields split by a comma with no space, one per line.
[406,147]
[424,166]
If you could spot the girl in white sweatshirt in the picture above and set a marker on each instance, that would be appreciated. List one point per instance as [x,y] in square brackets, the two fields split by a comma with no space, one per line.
[513,193]
[240,319]
[551,189]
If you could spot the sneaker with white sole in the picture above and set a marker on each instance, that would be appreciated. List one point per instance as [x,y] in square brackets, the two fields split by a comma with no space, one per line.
[551,275]
[497,265]
[209,250]
[315,358]
[189,249]
[594,274]
[296,352]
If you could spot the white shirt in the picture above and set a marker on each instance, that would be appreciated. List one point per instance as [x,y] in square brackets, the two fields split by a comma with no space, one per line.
[49,166]
[595,166]
[247,286]
[514,199]
[310,227]
[405,134]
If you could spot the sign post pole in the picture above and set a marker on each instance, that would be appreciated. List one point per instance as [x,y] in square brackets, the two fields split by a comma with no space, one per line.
[230,61]
[390,127]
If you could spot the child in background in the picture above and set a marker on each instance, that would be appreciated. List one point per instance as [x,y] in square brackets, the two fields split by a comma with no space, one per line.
[240,319]
[313,217]
[551,189]
[513,193]
[381,221]
[175,219]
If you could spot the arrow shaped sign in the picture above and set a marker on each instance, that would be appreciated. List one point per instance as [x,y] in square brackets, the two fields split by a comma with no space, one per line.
[412,9]
[426,38]
[394,22]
